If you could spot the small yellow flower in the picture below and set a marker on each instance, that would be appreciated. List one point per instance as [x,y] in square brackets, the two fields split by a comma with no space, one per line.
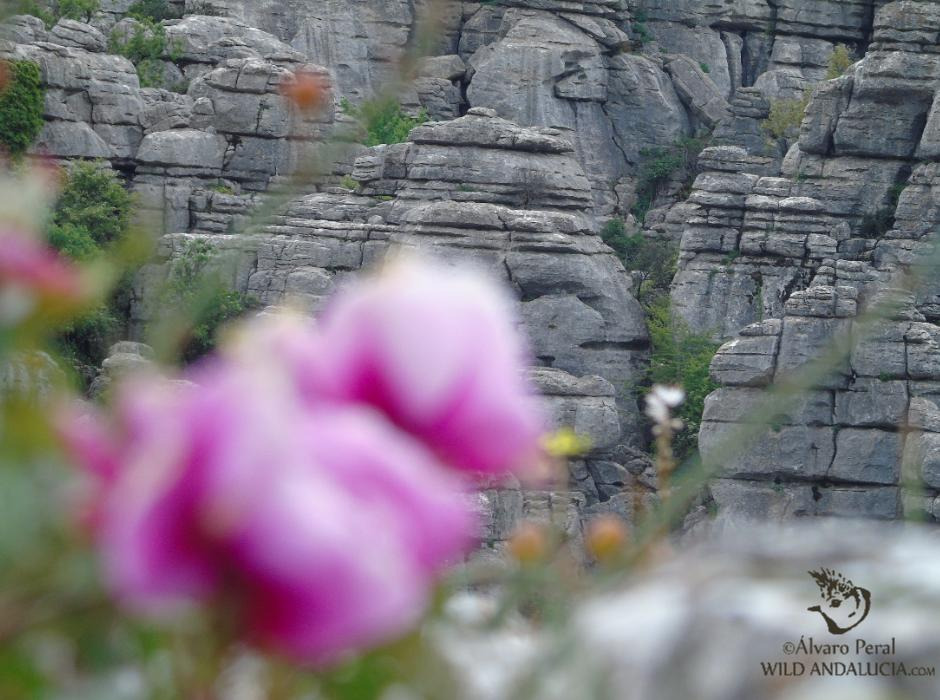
[566,443]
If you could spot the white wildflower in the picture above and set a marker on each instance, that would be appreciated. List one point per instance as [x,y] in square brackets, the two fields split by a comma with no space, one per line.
[660,402]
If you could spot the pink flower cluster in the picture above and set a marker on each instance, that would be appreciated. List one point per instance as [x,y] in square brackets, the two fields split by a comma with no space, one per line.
[32,276]
[315,478]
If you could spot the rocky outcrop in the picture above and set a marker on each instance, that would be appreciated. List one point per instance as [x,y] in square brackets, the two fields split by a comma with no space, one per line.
[862,440]
[230,133]
[610,478]
[796,260]
[482,190]
[124,359]
[31,376]
[750,241]
[729,604]
[546,117]
[478,188]
[548,65]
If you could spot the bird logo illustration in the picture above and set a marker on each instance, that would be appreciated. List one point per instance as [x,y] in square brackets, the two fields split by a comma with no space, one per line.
[845,605]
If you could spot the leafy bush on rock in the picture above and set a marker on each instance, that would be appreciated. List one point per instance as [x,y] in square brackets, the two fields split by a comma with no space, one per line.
[93,211]
[193,285]
[678,356]
[383,121]
[22,102]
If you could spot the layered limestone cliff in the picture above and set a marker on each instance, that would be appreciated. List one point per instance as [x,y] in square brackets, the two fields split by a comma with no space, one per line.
[543,115]
[802,257]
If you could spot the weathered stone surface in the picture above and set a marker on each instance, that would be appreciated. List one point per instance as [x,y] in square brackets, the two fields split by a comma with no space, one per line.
[731,600]
[183,147]
[514,201]
[799,465]
[32,376]
[202,39]
[782,244]
[698,91]
[361,43]
[564,82]
[124,359]
[68,32]
[587,405]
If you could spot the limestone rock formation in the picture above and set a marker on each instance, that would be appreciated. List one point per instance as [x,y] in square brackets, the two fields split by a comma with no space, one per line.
[810,252]
[33,376]
[479,189]
[702,624]
[752,238]
[124,358]
[546,117]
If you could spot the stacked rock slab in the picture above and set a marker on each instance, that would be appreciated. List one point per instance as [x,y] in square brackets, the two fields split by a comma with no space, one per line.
[510,200]
[562,64]
[362,42]
[751,238]
[726,605]
[780,46]
[862,441]
[196,159]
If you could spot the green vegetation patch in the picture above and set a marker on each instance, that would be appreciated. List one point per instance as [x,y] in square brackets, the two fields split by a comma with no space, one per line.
[81,10]
[678,356]
[786,116]
[146,48]
[22,103]
[194,286]
[681,357]
[152,10]
[653,259]
[382,120]
[93,212]
[839,62]
[662,164]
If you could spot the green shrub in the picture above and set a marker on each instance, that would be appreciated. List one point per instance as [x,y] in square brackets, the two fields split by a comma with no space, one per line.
[654,259]
[348,183]
[786,116]
[22,103]
[85,342]
[705,67]
[94,200]
[662,164]
[679,356]
[146,49]
[205,8]
[839,62]
[383,120]
[150,73]
[93,211]
[221,307]
[81,10]
[152,10]
[193,286]
[640,30]
[148,42]
[28,7]
[73,241]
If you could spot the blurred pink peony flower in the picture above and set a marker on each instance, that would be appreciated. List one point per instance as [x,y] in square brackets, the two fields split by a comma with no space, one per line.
[32,268]
[328,526]
[437,351]
[300,475]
